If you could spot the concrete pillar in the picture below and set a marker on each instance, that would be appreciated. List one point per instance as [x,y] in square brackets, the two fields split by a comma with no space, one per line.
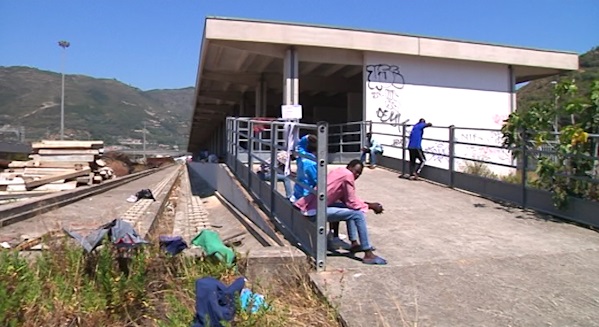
[354,107]
[512,88]
[242,106]
[261,103]
[291,77]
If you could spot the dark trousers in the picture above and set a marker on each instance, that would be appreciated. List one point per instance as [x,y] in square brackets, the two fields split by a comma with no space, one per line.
[416,154]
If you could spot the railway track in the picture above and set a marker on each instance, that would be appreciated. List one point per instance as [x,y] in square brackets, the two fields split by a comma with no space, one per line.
[13,213]
[83,210]
[88,207]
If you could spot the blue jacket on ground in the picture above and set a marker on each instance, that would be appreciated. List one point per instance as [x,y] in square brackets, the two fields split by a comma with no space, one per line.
[215,302]
[307,172]
[416,136]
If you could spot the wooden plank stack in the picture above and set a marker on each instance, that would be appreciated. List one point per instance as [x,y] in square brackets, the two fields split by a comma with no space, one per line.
[56,166]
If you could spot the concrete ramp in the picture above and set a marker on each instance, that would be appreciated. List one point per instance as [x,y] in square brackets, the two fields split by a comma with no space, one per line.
[223,181]
[456,259]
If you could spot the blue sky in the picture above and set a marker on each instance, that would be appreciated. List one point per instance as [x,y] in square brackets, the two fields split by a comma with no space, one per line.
[155,43]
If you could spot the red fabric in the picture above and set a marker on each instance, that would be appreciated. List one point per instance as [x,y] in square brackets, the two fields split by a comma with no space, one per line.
[260,127]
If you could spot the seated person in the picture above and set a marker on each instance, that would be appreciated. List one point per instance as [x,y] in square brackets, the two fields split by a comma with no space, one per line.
[306,167]
[264,172]
[373,148]
[344,205]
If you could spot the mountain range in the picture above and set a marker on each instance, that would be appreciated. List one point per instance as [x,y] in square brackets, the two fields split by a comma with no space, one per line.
[541,90]
[95,108]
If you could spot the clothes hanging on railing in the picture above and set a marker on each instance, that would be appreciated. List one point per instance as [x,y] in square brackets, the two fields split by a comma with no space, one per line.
[292,136]
[258,128]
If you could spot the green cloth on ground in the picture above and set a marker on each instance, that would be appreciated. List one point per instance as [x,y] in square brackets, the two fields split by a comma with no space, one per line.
[211,243]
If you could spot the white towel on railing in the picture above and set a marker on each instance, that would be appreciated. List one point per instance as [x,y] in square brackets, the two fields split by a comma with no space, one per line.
[292,136]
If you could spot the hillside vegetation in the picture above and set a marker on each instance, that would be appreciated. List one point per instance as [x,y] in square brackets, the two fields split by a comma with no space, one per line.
[95,108]
[542,90]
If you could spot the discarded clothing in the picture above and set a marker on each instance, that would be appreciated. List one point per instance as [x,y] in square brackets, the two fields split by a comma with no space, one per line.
[215,302]
[291,131]
[121,234]
[203,155]
[172,244]
[213,158]
[143,194]
[247,297]
[213,245]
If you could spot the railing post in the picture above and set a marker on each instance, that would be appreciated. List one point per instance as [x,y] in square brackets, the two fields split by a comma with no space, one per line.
[228,140]
[321,210]
[524,169]
[341,127]
[236,143]
[403,149]
[451,155]
[273,165]
[250,133]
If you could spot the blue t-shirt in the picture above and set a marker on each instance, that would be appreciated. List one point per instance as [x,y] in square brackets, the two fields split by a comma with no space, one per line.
[307,172]
[416,136]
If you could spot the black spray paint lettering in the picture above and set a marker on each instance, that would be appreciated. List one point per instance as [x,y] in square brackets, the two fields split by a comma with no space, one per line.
[439,152]
[384,73]
[388,116]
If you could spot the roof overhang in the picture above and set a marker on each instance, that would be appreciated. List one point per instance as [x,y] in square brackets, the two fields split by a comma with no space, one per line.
[237,54]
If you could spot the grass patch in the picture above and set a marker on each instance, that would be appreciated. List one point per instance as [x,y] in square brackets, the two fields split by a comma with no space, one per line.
[66,287]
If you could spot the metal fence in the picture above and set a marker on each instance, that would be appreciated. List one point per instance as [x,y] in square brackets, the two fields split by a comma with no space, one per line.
[465,170]
[346,141]
[457,157]
[250,143]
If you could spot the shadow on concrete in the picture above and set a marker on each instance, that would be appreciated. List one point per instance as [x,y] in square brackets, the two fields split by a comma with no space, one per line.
[345,254]
[199,186]
[525,214]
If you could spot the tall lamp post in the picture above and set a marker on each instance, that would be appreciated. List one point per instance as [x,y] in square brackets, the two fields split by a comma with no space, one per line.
[64,45]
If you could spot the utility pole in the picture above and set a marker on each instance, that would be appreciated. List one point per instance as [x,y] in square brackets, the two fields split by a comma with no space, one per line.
[144,142]
[64,45]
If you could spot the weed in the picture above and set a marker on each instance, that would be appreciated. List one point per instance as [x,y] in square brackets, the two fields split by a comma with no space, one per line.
[478,169]
[145,287]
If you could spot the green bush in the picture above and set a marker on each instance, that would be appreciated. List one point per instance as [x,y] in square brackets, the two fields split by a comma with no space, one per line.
[478,169]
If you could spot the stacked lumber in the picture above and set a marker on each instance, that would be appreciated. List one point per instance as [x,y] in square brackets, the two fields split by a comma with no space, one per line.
[57,166]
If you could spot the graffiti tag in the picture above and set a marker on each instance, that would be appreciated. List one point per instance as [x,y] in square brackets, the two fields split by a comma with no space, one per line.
[439,152]
[384,73]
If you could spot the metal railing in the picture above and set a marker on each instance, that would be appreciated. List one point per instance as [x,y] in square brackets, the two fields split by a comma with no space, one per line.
[251,142]
[462,157]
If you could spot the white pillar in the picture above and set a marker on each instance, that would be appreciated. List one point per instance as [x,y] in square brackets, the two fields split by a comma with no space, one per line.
[291,77]
[512,88]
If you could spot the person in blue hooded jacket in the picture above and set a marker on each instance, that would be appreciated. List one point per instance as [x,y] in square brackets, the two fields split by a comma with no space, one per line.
[307,172]
[415,148]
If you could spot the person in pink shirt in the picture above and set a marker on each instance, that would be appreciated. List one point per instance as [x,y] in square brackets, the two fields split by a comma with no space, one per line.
[344,205]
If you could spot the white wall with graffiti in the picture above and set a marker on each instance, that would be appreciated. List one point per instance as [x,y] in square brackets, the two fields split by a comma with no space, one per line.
[403,89]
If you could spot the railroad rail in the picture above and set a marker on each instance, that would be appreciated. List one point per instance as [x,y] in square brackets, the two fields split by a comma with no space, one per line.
[13,213]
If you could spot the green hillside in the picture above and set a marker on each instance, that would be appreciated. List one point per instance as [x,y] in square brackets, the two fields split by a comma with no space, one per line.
[542,90]
[95,108]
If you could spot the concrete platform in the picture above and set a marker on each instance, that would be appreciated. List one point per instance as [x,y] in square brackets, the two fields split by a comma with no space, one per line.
[86,214]
[459,260]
